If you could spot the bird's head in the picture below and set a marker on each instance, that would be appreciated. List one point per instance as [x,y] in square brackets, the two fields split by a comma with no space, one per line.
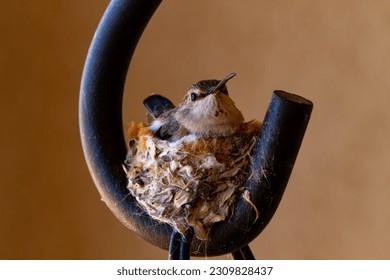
[207,109]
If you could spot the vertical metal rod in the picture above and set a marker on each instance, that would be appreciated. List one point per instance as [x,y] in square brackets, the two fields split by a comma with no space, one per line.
[180,245]
[175,245]
[245,253]
[185,244]
[237,255]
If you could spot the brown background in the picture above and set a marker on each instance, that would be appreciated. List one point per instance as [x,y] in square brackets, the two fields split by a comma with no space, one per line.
[335,53]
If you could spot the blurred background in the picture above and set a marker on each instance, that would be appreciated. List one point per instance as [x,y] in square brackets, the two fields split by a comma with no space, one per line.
[335,53]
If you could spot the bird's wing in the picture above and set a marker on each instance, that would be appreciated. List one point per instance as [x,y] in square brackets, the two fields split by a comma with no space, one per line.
[166,127]
[169,129]
[157,105]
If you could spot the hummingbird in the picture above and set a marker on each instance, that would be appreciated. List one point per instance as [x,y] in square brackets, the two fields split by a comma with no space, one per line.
[205,111]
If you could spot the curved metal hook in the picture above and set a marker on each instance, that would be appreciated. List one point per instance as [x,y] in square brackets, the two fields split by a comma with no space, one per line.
[100,112]
[104,146]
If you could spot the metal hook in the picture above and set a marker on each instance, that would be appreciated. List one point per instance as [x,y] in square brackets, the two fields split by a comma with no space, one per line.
[100,113]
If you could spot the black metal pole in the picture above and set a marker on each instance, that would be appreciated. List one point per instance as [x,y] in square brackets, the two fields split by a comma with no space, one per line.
[185,244]
[100,112]
[245,253]
[174,245]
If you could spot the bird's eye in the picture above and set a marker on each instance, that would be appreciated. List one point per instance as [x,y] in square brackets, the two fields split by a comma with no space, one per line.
[193,96]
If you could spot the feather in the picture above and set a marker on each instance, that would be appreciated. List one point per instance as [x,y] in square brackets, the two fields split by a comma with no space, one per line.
[157,105]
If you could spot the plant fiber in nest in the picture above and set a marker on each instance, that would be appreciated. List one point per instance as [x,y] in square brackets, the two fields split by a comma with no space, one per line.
[191,182]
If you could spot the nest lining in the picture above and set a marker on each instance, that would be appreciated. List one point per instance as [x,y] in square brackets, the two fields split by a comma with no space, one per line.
[190,182]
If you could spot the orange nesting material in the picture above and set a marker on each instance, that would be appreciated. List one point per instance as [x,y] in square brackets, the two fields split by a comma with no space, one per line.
[191,182]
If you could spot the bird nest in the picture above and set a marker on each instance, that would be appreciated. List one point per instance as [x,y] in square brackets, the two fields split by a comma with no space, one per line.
[191,182]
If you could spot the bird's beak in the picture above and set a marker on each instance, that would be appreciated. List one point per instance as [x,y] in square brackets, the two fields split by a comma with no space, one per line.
[222,82]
